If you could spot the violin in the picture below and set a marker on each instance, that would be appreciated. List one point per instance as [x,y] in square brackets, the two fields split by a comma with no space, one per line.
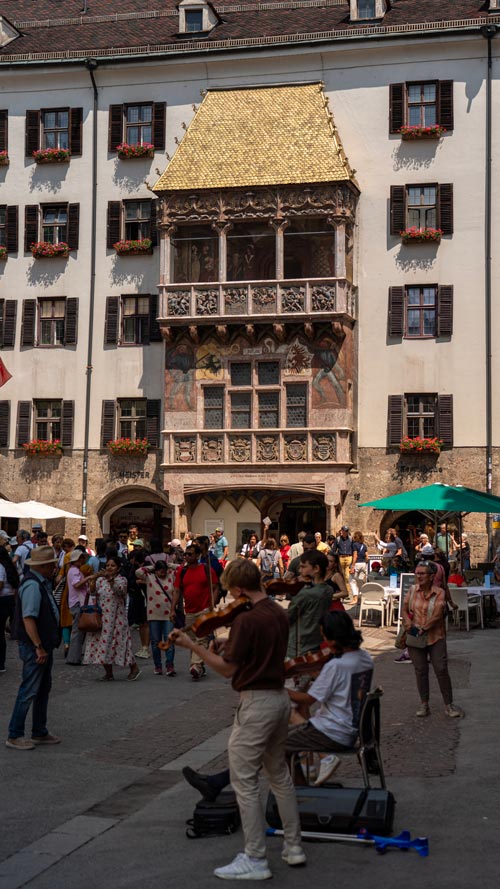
[212,620]
[282,586]
[307,663]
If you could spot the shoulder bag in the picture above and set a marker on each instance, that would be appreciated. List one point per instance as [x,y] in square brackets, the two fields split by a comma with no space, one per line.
[90,620]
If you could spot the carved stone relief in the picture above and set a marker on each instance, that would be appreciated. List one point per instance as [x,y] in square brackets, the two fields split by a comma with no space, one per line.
[324,448]
[295,449]
[293,299]
[235,300]
[178,302]
[323,299]
[207,302]
[264,299]
[212,450]
[268,449]
[184,450]
[240,450]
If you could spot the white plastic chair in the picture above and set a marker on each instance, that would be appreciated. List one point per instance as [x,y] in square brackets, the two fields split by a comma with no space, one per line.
[372,599]
[466,603]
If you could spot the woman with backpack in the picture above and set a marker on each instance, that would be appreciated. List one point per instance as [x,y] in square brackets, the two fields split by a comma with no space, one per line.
[269,561]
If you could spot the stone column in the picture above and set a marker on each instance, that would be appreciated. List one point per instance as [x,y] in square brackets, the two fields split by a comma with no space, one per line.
[338,222]
[166,232]
[279,226]
[222,228]
[176,501]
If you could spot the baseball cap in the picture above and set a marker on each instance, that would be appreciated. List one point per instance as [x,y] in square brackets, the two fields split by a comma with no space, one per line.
[76,554]
[36,527]
[174,542]
[138,542]
[345,528]
[82,537]
[4,535]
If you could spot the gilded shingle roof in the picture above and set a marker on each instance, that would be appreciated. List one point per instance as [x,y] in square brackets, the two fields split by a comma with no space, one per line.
[277,135]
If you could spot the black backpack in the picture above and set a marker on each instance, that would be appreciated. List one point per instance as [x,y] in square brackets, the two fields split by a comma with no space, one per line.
[216,819]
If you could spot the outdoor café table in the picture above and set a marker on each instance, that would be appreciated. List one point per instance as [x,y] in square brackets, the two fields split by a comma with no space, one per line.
[491,600]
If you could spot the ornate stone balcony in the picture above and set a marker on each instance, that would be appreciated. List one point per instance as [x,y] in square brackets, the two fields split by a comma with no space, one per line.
[257,300]
[233,447]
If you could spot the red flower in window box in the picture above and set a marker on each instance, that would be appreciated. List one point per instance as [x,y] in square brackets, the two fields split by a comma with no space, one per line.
[125,447]
[144,149]
[421,235]
[3,253]
[4,159]
[133,248]
[44,249]
[420,445]
[409,134]
[39,447]
[52,155]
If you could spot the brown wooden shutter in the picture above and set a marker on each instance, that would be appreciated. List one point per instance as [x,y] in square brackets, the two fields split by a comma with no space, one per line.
[111,325]
[445,104]
[113,233]
[28,322]
[154,230]
[395,420]
[32,141]
[397,96]
[445,311]
[159,115]
[4,130]
[23,423]
[4,423]
[107,422]
[398,209]
[71,322]
[12,216]
[115,126]
[67,423]
[445,201]
[395,324]
[154,328]
[153,410]
[75,130]
[73,225]
[30,226]
[9,324]
[445,419]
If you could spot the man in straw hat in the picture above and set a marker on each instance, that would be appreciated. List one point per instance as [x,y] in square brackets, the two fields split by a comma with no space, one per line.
[36,628]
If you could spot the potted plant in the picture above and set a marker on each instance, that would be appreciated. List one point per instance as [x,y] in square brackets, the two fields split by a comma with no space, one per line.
[134,247]
[420,445]
[409,134]
[52,155]
[126,447]
[43,249]
[3,253]
[416,235]
[4,159]
[40,447]
[144,149]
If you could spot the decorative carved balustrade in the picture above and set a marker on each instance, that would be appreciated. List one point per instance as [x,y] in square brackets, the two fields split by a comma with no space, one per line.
[243,299]
[238,447]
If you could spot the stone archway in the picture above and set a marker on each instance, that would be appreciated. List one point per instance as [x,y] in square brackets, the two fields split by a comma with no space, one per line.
[133,495]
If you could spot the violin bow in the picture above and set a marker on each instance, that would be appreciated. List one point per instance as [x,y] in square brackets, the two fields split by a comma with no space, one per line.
[403,841]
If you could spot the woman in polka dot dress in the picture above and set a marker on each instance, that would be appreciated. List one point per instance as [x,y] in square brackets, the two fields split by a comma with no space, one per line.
[113,645]
[159,580]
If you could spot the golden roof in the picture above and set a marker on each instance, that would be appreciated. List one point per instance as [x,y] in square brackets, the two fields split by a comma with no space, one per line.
[274,135]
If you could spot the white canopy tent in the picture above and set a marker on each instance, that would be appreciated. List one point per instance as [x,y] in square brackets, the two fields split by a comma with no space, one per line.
[33,509]
[10,510]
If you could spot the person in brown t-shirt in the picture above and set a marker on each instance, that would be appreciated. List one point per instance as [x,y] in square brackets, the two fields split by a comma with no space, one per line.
[253,659]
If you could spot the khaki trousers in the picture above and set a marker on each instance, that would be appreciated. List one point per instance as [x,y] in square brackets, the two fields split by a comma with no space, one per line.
[204,641]
[345,564]
[257,741]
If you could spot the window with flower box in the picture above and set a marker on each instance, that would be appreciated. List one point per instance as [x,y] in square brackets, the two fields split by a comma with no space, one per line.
[426,103]
[132,221]
[45,419]
[54,128]
[137,123]
[134,418]
[420,415]
[421,206]
[53,223]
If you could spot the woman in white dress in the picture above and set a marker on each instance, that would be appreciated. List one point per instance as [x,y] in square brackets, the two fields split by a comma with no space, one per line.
[113,645]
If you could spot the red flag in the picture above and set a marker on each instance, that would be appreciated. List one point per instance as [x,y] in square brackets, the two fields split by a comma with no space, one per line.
[5,376]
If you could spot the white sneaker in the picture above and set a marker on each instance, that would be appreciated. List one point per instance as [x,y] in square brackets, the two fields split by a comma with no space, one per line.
[143,652]
[327,767]
[293,855]
[244,868]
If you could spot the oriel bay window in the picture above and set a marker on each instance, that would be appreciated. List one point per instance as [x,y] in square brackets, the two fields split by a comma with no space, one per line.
[195,254]
[213,407]
[251,252]
[296,405]
[253,399]
[309,249]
